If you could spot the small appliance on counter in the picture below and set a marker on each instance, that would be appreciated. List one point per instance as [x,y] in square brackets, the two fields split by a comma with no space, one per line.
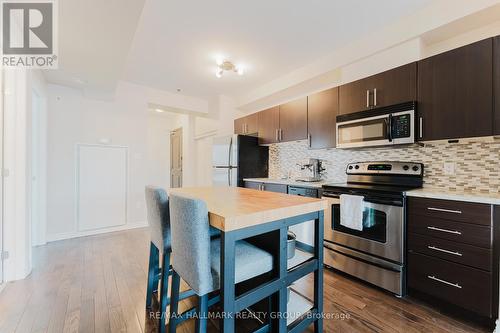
[375,251]
[315,166]
[235,157]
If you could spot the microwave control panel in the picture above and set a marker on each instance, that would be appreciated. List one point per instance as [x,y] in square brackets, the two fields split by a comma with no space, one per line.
[401,126]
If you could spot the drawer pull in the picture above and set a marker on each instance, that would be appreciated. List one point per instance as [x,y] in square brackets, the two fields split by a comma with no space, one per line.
[445,230]
[443,250]
[456,285]
[445,210]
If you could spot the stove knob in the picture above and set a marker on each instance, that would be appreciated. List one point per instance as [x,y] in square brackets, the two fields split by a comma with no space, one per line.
[415,168]
[350,167]
[356,167]
[405,167]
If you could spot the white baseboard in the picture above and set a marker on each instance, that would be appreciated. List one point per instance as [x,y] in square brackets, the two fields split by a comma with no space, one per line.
[76,234]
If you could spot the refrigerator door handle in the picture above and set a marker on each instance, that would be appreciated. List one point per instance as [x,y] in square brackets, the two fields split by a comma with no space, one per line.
[229,176]
[230,151]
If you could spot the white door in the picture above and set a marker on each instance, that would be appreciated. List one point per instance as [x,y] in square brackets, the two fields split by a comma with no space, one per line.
[176,158]
[102,187]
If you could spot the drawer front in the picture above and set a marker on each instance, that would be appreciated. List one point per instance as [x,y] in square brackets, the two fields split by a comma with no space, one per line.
[278,188]
[451,210]
[253,185]
[454,231]
[466,287]
[460,253]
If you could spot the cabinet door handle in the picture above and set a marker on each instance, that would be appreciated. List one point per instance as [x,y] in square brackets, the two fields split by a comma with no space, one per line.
[309,140]
[277,135]
[263,187]
[430,247]
[368,98]
[281,135]
[243,128]
[456,285]
[375,96]
[445,210]
[444,230]
[420,127]
[246,128]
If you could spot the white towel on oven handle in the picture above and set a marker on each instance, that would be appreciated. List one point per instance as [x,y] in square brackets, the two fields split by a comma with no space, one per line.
[351,211]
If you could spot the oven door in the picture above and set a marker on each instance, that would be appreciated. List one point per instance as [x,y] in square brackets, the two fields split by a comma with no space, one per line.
[365,132]
[382,234]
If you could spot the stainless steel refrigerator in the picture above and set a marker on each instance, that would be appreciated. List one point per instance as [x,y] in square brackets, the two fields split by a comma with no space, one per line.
[235,157]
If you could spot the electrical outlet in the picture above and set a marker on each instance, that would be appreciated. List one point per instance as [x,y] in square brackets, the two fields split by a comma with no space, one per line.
[449,168]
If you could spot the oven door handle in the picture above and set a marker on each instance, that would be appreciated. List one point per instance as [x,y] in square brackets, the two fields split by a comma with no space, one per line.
[329,195]
[363,257]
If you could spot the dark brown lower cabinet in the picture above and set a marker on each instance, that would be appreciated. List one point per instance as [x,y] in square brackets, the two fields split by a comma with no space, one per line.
[453,254]
[463,286]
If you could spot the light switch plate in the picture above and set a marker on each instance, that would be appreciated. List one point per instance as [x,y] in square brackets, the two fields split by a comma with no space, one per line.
[449,168]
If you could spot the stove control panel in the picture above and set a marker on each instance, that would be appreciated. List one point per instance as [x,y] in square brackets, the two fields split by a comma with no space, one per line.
[389,168]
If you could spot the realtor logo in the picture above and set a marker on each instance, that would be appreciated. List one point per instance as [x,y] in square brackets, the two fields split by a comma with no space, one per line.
[29,34]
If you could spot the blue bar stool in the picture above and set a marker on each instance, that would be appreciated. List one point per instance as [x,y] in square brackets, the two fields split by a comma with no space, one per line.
[196,258]
[159,224]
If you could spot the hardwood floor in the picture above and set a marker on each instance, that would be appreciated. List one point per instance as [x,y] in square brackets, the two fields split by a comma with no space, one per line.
[98,284]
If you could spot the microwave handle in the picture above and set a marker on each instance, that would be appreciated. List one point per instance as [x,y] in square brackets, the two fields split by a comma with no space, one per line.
[389,128]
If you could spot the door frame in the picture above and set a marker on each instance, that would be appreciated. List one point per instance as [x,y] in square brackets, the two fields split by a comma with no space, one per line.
[2,242]
[179,129]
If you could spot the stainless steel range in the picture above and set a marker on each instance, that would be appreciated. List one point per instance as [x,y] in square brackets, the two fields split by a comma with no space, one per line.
[375,251]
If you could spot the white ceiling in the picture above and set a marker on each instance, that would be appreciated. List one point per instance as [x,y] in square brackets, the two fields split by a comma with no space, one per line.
[177,41]
[95,37]
[172,44]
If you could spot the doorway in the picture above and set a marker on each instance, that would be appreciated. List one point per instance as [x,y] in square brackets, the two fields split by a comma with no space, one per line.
[176,158]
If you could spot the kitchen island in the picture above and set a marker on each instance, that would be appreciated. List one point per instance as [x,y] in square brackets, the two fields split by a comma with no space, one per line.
[241,213]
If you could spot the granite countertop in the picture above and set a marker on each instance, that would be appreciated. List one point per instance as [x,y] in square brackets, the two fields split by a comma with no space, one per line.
[434,193]
[289,182]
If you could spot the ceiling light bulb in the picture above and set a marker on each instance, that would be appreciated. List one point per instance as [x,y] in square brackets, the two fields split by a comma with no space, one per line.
[218,73]
[240,70]
[159,110]
[219,61]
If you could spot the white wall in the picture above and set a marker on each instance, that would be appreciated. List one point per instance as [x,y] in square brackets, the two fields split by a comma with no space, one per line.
[222,112]
[126,121]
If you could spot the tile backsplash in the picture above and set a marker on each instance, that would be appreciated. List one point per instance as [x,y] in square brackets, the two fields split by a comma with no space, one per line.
[477,162]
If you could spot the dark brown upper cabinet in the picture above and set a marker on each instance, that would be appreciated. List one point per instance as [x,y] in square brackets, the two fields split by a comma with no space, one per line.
[391,87]
[455,93]
[246,125]
[268,122]
[322,110]
[293,120]
[496,85]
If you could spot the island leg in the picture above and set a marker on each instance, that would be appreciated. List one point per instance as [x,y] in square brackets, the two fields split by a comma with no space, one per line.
[227,285]
[318,274]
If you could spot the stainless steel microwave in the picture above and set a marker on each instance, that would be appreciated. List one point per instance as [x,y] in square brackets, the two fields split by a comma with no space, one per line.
[393,125]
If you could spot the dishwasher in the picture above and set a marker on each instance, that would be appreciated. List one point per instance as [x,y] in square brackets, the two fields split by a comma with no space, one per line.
[304,231]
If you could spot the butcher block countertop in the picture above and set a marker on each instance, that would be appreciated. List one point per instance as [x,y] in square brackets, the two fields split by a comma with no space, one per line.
[232,208]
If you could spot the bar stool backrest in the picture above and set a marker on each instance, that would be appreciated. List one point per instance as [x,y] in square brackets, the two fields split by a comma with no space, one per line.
[191,242]
[158,217]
